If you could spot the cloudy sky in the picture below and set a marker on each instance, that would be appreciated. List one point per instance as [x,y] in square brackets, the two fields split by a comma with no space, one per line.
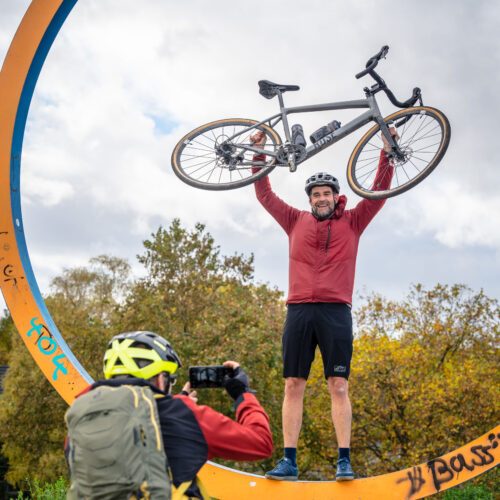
[126,79]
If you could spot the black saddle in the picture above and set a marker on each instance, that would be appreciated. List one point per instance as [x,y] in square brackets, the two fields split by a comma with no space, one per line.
[269,89]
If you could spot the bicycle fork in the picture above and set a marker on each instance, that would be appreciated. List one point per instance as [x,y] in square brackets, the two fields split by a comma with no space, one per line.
[396,151]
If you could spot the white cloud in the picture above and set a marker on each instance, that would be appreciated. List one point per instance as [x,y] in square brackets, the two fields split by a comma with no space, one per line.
[453,215]
[123,83]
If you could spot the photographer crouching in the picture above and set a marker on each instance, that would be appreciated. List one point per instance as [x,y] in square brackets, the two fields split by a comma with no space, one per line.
[127,431]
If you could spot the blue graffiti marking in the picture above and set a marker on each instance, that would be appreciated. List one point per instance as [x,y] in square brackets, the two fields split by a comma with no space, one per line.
[50,346]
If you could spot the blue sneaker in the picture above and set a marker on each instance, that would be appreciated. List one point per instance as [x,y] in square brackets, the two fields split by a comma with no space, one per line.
[344,470]
[284,471]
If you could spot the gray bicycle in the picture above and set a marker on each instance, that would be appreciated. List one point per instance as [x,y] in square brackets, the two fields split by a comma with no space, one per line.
[221,156]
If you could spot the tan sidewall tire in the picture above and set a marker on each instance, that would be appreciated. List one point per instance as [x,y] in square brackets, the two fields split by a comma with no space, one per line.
[374,195]
[226,186]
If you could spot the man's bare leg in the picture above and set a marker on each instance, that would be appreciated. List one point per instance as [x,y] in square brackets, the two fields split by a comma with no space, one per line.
[293,406]
[341,410]
[342,420]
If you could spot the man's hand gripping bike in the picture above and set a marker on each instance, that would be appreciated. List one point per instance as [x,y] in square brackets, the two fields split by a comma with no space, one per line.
[220,154]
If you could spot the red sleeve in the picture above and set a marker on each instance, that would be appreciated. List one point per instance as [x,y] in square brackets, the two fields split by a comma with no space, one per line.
[247,438]
[284,214]
[366,210]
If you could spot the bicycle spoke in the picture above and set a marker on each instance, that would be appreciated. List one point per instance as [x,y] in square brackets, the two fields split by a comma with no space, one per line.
[429,136]
[421,159]
[426,136]
[401,135]
[420,127]
[367,164]
[198,164]
[385,173]
[370,158]
[406,173]
[415,167]
[406,129]
[189,148]
[220,175]
[368,174]
[396,174]
[208,148]
[211,172]
[203,166]
[429,146]
[376,146]
[197,156]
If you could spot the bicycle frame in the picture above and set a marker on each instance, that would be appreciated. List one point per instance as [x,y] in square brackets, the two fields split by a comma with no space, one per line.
[373,114]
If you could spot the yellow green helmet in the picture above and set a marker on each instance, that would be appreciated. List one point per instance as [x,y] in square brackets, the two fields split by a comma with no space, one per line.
[141,355]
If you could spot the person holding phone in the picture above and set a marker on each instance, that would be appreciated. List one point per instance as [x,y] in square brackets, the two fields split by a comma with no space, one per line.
[192,433]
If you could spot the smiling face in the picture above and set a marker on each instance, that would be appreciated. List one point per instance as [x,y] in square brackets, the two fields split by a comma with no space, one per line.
[322,200]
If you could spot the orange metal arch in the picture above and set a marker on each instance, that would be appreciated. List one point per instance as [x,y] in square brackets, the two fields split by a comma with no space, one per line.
[18,76]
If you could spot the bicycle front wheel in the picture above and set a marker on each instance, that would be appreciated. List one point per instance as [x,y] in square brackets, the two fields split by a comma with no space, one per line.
[215,156]
[424,135]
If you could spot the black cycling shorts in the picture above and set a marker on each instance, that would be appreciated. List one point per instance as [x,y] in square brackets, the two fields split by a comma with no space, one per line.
[327,325]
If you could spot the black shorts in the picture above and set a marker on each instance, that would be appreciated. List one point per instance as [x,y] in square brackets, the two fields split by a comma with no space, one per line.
[327,325]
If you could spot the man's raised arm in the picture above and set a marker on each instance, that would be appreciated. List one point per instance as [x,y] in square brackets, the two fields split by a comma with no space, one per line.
[366,210]
[283,213]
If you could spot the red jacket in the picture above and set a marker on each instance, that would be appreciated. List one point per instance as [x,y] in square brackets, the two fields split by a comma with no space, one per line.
[323,253]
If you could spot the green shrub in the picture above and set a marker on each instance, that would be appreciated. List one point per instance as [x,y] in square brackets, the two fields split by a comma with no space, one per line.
[468,492]
[45,491]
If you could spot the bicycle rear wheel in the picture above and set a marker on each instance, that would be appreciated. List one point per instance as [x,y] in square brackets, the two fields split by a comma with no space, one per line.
[214,157]
[424,135]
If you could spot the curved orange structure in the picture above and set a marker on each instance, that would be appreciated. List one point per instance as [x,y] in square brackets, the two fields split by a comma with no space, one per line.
[18,77]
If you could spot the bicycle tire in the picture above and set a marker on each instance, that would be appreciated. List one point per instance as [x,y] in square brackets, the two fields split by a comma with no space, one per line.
[361,181]
[205,150]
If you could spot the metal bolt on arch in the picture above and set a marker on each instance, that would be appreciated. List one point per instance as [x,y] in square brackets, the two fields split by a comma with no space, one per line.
[18,77]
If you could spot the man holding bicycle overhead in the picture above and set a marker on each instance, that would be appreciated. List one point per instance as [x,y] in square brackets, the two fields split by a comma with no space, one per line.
[323,246]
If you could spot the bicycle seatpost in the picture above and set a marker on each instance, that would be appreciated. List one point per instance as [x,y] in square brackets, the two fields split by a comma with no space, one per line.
[283,116]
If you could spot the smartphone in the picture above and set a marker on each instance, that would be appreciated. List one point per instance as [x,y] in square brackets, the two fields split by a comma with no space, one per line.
[204,377]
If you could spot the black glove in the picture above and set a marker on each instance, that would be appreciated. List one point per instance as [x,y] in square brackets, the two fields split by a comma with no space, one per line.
[236,383]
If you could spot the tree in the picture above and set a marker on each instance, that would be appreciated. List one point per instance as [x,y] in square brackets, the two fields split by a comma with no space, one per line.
[5,337]
[422,381]
[84,305]
[206,304]
[209,308]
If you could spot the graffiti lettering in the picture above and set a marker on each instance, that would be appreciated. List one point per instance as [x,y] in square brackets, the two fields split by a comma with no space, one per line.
[458,464]
[50,347]
[416,480]
[8,272]
[443,471]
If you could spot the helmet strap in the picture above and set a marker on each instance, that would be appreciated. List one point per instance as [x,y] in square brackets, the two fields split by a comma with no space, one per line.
[164,383]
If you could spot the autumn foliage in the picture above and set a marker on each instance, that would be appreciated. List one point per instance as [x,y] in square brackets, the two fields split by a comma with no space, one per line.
[423,382]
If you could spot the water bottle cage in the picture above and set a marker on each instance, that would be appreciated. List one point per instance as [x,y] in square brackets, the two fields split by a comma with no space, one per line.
[323,131]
